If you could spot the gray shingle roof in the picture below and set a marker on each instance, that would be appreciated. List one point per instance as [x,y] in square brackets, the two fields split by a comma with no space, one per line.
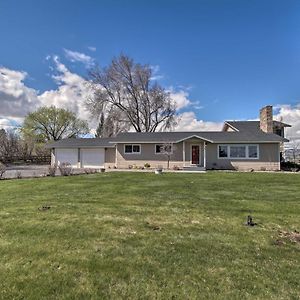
[251,125]
[245,125]
[248,132]
[211,136]
[82,143]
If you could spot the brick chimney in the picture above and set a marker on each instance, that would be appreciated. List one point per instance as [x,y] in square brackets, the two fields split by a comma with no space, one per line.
[266,119]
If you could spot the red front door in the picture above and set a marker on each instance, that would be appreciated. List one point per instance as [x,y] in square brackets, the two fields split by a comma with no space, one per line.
[195,155]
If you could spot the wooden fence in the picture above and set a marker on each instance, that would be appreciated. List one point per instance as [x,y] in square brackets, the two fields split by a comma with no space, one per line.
[34,159]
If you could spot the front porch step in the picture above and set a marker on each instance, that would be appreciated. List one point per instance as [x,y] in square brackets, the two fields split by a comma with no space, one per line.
[193,168]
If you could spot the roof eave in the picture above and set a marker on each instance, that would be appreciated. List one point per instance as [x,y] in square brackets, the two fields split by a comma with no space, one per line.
[229,125]
[248,142]
[51,146]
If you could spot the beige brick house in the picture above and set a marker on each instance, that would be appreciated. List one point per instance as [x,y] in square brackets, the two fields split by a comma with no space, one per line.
[241,145]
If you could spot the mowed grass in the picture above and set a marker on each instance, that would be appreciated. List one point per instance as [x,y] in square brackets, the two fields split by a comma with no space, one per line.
[146,236]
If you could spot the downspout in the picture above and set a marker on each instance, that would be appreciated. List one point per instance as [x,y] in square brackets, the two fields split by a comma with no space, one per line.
[204,156]
[116,156]
[78,159]
[183,153]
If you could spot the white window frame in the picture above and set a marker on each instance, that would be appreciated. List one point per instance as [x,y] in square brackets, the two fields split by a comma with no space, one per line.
[236,145]
[257,151]
[218,152]
[130,153]
[238,158]
[159,153]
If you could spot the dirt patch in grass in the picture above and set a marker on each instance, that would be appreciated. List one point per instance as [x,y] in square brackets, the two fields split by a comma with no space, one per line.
[284,236]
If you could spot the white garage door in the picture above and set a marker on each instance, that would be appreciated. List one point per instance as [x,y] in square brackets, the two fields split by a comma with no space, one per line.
[92,158]
[67,156]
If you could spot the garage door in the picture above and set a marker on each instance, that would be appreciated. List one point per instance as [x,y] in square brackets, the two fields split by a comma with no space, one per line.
[67,156]
[92,158]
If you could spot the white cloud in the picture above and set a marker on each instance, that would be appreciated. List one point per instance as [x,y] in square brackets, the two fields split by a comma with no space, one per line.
[10,123]
[71,92]
[75,56]
[180,98]
[16,99]
[91,48]
[5,124]
[291,115]
[189,122]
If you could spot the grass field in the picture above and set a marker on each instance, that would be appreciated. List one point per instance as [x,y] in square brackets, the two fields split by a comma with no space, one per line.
[145,236]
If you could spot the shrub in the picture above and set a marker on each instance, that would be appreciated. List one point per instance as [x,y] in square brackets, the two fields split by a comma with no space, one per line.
[146,165]
[290,166]
[52,170]
[2,169]
[65,169]
[90,171]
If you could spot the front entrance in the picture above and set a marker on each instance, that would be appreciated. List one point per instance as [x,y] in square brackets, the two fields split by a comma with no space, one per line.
[195,154]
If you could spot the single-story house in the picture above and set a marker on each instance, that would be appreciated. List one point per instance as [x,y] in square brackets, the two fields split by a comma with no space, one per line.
[242,145]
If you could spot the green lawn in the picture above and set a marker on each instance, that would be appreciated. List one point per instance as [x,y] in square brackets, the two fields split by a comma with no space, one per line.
[146,236]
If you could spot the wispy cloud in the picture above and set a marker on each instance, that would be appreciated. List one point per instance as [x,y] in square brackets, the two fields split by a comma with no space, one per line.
[197,105]
[75,56]
[92,48]
[155,73]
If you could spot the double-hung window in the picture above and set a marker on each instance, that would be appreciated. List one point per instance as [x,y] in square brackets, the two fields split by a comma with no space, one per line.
[253,151]
[163,148]
[132,149]
[223,151]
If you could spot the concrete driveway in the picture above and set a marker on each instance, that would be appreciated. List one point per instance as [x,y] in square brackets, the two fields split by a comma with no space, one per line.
[26,171]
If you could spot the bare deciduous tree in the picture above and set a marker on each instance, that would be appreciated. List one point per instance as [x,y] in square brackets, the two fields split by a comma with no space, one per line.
[111,123]
[9,143]
[293,150]
[12,143]
[127,88]
[2,169]
[3,138]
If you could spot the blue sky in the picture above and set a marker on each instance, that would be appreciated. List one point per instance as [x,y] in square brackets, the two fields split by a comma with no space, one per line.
[229,57]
